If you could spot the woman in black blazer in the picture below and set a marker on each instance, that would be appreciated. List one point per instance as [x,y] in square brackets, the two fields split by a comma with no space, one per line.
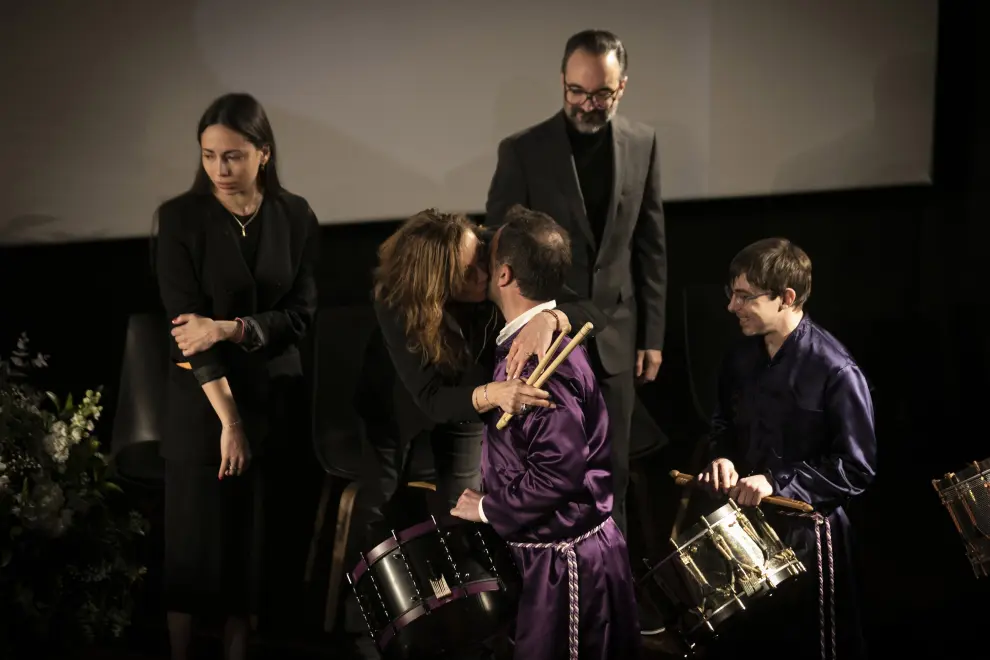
[235,263]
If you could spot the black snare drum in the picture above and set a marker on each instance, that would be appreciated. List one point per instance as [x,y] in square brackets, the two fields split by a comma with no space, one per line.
[435,588]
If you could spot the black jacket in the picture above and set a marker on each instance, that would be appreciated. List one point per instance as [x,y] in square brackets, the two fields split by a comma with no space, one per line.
[620,282]
[401,396]
[201,269]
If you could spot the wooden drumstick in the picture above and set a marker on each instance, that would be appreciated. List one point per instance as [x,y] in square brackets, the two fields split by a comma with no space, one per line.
[533,377]
[542,377]
[682,479]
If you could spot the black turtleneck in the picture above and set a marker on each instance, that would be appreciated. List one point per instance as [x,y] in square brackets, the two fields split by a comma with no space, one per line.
[593,160]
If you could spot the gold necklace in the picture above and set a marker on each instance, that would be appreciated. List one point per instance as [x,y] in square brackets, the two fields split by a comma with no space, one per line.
[245,224]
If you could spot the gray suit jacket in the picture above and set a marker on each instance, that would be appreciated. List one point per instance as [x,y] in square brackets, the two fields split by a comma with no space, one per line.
[628,271]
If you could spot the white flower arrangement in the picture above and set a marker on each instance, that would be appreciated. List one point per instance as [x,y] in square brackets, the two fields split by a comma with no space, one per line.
[67,571]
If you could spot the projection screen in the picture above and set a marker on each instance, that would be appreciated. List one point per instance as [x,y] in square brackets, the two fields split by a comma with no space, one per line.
[383,108]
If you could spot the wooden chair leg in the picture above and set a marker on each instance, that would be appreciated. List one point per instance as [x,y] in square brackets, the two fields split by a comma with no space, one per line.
[318,522]
[344,512]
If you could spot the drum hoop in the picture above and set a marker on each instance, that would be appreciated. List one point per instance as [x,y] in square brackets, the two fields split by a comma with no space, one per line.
[972,471]
[740,601]
[373,556]
[967,485]
[725,520]
[705,619]
[431,604]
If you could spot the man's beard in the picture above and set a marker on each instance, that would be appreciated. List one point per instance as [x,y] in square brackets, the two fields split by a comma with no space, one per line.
[591,121]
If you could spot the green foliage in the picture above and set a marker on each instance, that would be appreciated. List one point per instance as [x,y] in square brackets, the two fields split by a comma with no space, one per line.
[68,566]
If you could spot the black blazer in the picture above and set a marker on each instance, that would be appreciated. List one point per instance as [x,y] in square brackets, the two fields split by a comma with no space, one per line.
[628,271]
[201,270]
[400,396]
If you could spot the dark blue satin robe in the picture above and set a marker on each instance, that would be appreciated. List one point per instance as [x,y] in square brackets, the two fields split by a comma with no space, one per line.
[804,419]
[547,477]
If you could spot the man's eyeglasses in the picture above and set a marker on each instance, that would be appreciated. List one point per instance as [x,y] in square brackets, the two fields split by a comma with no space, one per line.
[601,98]
[742,298]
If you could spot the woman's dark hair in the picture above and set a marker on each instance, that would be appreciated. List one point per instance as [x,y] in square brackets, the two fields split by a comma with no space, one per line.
[244,114]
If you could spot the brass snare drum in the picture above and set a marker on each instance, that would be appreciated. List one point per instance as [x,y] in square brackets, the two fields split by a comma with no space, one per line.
[722,564]
[966,496]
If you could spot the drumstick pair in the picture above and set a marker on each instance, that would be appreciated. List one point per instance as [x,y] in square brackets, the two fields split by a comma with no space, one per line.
[682,479]
[539,376]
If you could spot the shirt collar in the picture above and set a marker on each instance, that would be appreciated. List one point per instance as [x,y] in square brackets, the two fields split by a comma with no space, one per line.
[794,338]
[516,324]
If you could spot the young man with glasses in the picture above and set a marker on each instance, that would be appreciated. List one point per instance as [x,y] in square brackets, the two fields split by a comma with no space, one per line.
[794,419]
[598,175]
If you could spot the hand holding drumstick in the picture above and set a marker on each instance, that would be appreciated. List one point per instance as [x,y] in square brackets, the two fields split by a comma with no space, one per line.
[539,376]
[682,479]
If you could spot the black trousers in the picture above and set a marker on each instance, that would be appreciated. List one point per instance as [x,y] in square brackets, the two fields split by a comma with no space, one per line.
[619,392]
[456,453]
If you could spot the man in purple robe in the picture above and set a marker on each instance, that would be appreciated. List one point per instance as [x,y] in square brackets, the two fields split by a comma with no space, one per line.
[547,476]
[794,419]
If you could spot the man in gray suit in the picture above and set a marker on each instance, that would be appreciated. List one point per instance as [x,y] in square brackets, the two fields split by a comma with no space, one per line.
[598,175]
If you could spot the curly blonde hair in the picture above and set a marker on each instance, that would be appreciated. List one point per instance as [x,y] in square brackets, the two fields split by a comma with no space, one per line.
[419,271]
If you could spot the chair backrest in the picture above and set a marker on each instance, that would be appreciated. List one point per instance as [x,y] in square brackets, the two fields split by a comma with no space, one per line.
[646,436]
[709,331]
[339,348]
[139,417]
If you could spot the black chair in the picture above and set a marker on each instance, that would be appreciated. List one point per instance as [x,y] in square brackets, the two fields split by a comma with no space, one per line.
[339,439]
[139,417]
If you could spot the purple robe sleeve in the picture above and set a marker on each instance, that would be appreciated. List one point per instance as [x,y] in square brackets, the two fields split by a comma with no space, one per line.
[850,465]
[555,466]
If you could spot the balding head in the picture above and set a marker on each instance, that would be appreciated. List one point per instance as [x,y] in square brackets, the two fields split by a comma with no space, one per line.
[536,250]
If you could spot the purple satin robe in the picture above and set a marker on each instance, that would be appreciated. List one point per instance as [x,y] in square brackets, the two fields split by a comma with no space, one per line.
[547,477]
[805,419]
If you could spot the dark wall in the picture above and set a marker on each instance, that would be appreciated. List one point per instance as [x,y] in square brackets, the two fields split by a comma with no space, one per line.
[898,278]
[74,299]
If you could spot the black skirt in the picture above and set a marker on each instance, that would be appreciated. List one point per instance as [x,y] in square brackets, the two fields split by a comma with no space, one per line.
[214,539]
[215,530]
